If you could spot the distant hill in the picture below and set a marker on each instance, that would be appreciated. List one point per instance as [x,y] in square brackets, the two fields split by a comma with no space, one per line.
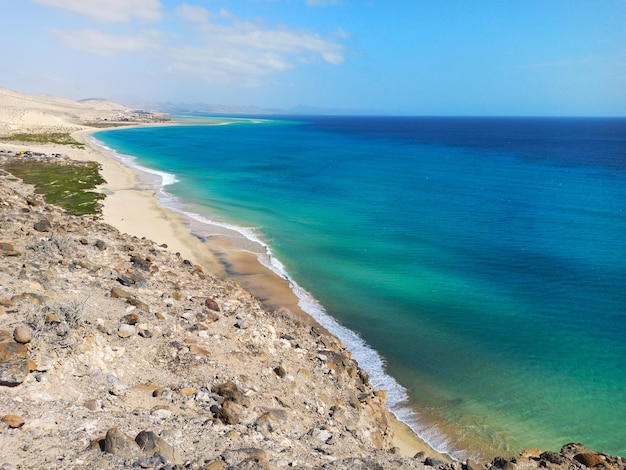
[205,108]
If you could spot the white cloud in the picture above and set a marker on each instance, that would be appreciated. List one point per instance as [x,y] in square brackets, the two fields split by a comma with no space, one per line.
[239,51]
[111,11]
[215,47]
[100,43]
[193,13]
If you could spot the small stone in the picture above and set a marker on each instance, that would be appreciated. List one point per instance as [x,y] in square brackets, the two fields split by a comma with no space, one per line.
[33,201]
[188,391]
[13,421]
[530,453]
[215,465]
[22,334]
[83,241]
[130,319]
[52,318]
[280,371]
[211,304]
[145,333]
[126,331]
[7,249]
[93,404]
[140,263]
[195,349]
[43,225]
[100,244]
[31,297]
[119,293]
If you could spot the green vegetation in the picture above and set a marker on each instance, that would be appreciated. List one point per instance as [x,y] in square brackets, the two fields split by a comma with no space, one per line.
[65,184]
[62,138]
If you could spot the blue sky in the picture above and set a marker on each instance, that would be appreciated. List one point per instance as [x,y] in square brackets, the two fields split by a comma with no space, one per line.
[422,57]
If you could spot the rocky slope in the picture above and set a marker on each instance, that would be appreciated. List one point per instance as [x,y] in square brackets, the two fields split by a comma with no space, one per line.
[116,353]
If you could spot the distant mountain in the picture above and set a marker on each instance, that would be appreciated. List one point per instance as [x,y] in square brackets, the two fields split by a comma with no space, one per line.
[204,108]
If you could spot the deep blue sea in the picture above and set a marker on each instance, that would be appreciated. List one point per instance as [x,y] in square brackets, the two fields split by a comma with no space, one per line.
[475,266]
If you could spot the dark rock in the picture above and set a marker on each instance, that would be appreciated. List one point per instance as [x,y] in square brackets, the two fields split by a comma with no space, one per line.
[13,361]
[125,281]
[145,333]
[280,371]
[43,225]
[590,459]
[353,464]
[151,444]
[118,443]
[501,463]
[211,304]
[140,263]
[100,245]
[432,462]
[553,457]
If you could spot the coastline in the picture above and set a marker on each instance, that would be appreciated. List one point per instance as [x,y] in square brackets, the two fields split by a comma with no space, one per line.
[132,206]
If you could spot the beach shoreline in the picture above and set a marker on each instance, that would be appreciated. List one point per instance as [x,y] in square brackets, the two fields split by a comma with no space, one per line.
[127,197]
[132,206]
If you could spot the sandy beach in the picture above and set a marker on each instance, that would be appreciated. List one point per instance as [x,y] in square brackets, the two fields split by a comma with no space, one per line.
[132,207]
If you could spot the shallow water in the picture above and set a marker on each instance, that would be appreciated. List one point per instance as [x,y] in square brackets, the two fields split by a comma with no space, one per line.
[484,259]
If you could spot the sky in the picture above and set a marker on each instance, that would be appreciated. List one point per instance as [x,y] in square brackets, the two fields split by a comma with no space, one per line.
[416,57]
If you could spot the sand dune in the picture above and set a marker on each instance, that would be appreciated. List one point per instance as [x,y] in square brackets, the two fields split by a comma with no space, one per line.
[34,113]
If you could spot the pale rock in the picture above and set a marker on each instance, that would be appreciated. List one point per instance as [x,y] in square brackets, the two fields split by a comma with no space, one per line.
[161,413]
[22,334]
[126,331]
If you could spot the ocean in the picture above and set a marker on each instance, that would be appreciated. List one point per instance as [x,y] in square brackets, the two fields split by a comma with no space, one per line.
[476,267]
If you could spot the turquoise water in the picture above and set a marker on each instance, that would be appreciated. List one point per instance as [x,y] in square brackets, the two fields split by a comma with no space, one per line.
[480,262]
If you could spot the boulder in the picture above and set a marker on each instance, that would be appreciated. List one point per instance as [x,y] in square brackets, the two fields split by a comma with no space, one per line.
[151,444]
[118,443]
[13,360]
